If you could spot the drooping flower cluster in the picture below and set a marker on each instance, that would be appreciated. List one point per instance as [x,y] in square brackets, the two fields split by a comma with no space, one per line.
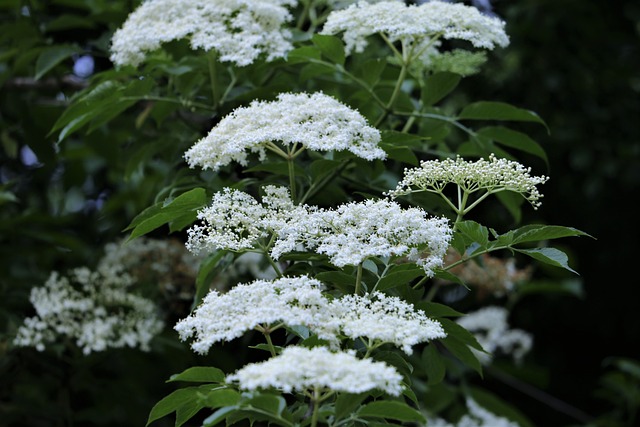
[239,31]
[489,176]
[477,417]
[93,308]
[490,327]
[299,301]
[317,122]
[415,26]
[302,369]
[294,301]
[385,319]
[348,234]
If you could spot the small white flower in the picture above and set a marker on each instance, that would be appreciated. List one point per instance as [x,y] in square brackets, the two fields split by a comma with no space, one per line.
[292,301]
[240,31]
[317,122]
[385,319]
[233,221]
[302,369]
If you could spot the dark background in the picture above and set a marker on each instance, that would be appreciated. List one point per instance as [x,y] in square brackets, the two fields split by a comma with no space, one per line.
[576,63]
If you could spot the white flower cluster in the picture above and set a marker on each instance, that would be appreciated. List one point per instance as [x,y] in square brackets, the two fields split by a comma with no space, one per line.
[490,327]
[302,369]
[348,234]
[385,319]
[415,25]
[240,31]
[298,301]
[292,301]
[155,259]
[491,175]
[94,308]
[477,417]
[316,121]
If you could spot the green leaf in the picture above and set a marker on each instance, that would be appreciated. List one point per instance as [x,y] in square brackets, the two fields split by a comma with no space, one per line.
[449,277]
[437,86]
[218,416]
[392,410]
[535,233]
[399,275]
[514,139]
[346,404]
[221,397]
[331,47]
[52,56]
[371,70]
[401,154]
[475,232]
[161,213]
[551,256]
[268,402]
[171,403]
[459,333]
[434,309]
[462,351]
[489,110]
[303,54]
[433,365]
[203,374]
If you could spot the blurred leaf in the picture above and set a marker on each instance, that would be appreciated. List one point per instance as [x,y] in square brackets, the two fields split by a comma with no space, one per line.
[514,139]
[433,365]
[52,56]
[331,47]
[346,403]
[399,275]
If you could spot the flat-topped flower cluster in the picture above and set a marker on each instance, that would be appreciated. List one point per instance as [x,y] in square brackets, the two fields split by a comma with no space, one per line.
[239,31]
[317,122]
[299,301]
[348,234]
[414,24]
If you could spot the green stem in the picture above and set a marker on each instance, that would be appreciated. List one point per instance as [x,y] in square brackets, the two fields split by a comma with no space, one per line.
[303,14]
[432,292]
[292,178]
[358,279]
[272,348]
[213,78]
[394,95]
[315,403]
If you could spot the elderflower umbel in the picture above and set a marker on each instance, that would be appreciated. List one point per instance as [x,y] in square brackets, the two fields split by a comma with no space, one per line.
[292,301]
[385,319]
[491,176]
[477,417]
[356,231]
[302,369]
[414,25]
[94,308]
[239,31]
[490,327]
[317,122]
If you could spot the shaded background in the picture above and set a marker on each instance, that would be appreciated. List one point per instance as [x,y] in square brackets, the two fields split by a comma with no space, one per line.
[575,63]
